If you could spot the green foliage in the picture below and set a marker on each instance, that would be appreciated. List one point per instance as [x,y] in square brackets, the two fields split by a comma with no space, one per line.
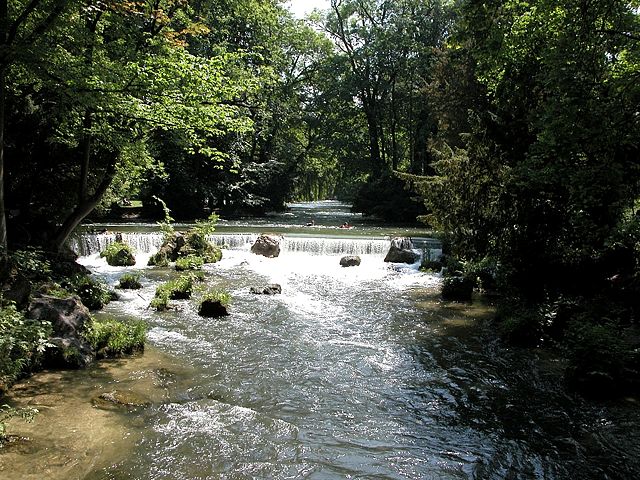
[22,344]
[8,412]
[130,281]
[179,289]
[112,338]
[217,295]
[190,262]
[206,227]
[119,254]
[457,288]
[32,263]
[166,224]
[94,294]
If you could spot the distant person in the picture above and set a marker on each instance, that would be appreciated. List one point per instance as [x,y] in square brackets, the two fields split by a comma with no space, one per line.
[345,225]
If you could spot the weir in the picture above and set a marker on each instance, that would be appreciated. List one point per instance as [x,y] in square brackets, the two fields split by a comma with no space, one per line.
[87,244]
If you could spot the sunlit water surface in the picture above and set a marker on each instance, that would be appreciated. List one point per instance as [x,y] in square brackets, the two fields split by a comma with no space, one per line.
[350,373]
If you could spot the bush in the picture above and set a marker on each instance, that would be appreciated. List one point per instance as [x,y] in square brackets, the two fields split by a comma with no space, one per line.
[430,265]
[178,289]
[520,324]
[597,358]
[32,264]
[119,254]
[94,294]
[457,288]
[7,413]
[190,262]
[112,338]
[130,281]
[22,344]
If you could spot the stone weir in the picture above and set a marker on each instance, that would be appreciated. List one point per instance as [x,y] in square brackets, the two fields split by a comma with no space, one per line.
[87,244]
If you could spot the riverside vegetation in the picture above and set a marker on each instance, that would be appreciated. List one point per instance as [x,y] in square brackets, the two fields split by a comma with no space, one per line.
[26,344]
[511,127]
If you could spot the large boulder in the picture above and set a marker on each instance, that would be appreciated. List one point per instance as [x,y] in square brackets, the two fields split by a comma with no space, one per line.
[213,309]
[399,255]
[69,319]
[350,261]
[267,246]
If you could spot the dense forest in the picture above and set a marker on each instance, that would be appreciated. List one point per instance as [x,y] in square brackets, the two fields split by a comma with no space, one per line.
[512,127]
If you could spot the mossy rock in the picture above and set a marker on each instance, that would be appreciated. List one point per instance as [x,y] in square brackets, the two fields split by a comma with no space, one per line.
[119,254]
[130,281]
[212,309]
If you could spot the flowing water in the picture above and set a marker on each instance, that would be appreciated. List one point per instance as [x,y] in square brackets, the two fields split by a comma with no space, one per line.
[350,373]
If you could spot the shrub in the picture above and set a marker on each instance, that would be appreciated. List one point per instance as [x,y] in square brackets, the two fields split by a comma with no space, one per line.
[7,413]
[94,294]
[112,338]
[179,289]
[190,262]
[457,288]
[22,344]
[31,263]
[119,254]
[130,281]
[598,356]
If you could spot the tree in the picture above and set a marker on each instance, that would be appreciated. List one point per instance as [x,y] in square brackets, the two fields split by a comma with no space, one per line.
[113,73]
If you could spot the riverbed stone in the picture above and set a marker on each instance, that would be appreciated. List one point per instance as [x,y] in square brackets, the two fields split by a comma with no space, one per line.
[399,255]
[120,400]
[69,319]
[271,289]
[350,261]
[267,246]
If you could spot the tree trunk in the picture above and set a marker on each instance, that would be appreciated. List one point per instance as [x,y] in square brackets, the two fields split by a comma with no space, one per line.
[83,209]
[374,143]
[4,17]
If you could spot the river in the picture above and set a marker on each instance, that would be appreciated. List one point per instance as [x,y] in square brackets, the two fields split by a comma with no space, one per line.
[351,373]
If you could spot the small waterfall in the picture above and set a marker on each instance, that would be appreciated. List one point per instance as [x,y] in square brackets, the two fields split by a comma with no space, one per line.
[145,243]
[233,241]
[335,246]
[91,243]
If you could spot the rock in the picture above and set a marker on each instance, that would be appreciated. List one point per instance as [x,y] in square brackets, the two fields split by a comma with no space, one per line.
[212,309]
[69,352]
[403,243]
[123,258]
[118,399]
[273,289]
[267,246]
[398,255]
[68,318]
[350,261]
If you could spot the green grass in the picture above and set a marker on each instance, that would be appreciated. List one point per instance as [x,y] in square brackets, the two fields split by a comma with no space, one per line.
[190,262]
[179,289]
[112,338]
[130,281]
